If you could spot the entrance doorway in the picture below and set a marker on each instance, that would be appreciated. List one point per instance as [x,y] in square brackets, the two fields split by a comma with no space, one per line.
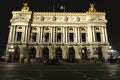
[16,56]
[58,53]
[32,53]
[99,51]
[45,53]
[71,54]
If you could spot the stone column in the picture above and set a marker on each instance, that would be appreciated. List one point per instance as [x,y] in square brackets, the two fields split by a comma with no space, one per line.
[38,35]
[37,52]
[51,39]
[25,36]
[10,33]
[66,35]
[106,36]
[53,34]
[41,34]
[77,55]
[103,34]
[89,34]
[91,52]
[51,53]
[78,30]
[21,53]
[64,53]
[62,37]
[13,34]
[63,33]
[93,32]
[76,35]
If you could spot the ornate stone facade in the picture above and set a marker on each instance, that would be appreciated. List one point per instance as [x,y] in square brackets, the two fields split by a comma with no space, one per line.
[61,35]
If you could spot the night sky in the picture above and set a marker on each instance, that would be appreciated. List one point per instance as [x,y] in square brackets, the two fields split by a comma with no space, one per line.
[111,7]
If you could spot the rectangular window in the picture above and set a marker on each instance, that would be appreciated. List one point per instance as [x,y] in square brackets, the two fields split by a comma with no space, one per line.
[83,37]
[34,37]
[46,37]
[98,37]
[19,36]
[71,37]
[58,37]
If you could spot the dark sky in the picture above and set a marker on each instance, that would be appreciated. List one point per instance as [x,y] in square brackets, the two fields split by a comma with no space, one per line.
[111,7]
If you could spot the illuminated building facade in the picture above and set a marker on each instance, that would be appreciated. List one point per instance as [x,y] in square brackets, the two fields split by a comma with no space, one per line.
[61,35]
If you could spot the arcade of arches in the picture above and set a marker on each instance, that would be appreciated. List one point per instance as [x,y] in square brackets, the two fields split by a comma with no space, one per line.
[61,53]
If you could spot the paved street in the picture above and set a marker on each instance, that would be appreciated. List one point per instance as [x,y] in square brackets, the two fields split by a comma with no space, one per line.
[18,71]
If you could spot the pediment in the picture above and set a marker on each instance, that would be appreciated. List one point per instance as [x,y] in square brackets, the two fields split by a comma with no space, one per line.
[19,19]
[97,20]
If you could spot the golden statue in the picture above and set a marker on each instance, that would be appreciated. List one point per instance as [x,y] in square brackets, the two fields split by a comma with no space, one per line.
[92,9]
[25,7]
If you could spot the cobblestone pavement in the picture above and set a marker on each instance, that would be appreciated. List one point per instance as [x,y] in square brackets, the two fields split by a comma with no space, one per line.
[71,71]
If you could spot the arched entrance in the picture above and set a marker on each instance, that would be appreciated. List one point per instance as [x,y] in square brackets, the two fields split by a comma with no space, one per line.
[16,56]
[99,51]
[58,53]
[32,53]
[84,53]
[45,53]
[71,54]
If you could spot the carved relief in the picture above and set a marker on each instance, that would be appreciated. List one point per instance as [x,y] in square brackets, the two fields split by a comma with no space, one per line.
[77,19]
[19,19]
[36,18]
[46,28]
[59,29]
[82,29]
[66,18]
[42,18]
[97,28]
[34,28]
[19,28]
[54,18]
[97,19]
[71,29]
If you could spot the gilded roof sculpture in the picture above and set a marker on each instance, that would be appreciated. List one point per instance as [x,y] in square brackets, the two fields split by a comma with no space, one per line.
[25,7]
[92,9]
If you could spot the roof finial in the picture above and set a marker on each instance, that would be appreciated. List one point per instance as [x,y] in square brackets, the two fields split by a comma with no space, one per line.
[25,7]
[92,9]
